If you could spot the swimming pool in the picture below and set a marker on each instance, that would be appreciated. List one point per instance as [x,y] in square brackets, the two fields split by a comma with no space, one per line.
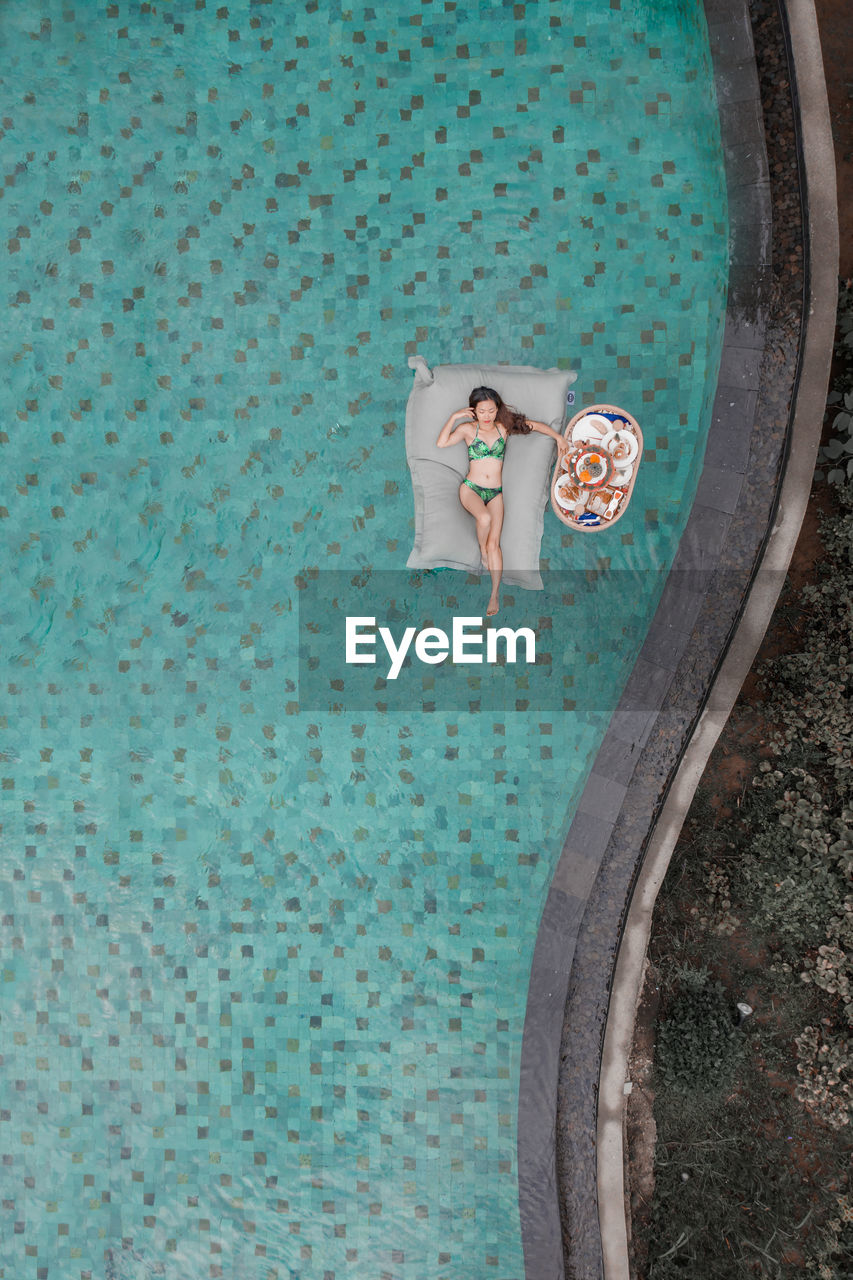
[265,968]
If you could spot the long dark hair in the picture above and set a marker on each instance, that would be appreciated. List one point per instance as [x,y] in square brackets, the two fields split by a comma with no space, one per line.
[510,419]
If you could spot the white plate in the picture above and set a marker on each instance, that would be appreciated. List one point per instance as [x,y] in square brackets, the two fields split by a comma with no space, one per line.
[624,437]
[621,478]
[598,420]
[561,485]
[590,429]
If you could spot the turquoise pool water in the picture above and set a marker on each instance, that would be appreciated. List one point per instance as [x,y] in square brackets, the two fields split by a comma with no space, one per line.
[265,968]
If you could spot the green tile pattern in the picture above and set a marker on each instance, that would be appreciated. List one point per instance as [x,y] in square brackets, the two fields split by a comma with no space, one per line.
[264,971]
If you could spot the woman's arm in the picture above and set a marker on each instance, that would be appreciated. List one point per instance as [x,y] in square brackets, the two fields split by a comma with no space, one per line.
[450,426]
[562,443]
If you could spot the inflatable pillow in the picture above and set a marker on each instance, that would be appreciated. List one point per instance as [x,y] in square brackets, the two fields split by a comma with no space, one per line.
[445,533]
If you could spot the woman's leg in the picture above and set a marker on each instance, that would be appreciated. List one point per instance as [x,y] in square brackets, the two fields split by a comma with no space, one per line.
[494,558]
[473,503]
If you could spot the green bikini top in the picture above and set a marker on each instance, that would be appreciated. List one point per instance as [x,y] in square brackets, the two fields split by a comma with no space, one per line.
[479,449]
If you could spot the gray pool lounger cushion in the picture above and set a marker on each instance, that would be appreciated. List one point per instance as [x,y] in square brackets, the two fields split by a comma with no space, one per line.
[445,534]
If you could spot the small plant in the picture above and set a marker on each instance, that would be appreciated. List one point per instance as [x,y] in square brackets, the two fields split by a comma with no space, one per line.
[792,873]
[832,967]
[831,1257]
[825,1076]
[697,1042]
[717,916]
[838,452]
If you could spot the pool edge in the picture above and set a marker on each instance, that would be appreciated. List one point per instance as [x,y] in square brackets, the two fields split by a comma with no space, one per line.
[664,704]
[815,154]
[822,249]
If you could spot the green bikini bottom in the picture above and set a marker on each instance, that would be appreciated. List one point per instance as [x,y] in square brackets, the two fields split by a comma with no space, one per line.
[483,491]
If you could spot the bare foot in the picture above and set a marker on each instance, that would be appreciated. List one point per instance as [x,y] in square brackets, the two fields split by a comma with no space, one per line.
[492,607]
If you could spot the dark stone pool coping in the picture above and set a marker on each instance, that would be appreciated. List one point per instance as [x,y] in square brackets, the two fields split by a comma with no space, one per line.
[699,613]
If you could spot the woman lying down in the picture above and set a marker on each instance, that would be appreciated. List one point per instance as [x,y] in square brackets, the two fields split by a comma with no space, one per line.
[484,426]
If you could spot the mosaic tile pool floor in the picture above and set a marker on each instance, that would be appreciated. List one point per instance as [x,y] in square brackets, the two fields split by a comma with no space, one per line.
[264,969]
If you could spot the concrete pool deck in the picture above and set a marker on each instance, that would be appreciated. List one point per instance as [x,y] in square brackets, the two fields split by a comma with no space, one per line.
[715,608]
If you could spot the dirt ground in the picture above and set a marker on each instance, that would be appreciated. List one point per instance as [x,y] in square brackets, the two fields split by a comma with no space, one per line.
[732,763]
[835,20]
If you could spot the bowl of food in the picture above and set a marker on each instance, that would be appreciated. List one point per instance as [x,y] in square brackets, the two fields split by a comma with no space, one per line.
[623,446]
[590,467]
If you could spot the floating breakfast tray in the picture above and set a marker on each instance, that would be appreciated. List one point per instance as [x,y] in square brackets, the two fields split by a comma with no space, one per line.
[592,484]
